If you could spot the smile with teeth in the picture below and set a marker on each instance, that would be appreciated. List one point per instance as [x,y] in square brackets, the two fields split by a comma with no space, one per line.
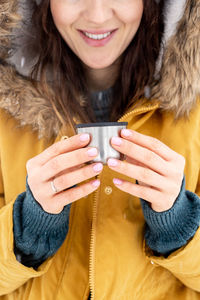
[97,36]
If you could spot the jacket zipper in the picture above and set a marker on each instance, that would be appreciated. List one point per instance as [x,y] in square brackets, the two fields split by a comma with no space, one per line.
[92,243]
[94,212]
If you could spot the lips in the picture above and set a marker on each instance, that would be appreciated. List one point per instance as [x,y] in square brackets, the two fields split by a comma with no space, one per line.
[97,42]
[101,31]
[97,36]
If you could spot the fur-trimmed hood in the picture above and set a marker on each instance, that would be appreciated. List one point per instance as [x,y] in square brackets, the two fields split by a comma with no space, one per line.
[177,69]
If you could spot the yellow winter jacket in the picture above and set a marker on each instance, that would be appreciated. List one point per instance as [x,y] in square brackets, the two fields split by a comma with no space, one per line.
[104,249]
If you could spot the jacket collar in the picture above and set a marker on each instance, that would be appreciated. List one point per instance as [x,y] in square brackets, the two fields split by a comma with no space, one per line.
[17,96]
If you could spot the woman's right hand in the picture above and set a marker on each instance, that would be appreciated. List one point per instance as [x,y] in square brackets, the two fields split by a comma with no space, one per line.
[64,163]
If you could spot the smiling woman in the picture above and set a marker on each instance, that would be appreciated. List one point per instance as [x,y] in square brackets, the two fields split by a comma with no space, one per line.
[133,31]
[119,20]
[72,225]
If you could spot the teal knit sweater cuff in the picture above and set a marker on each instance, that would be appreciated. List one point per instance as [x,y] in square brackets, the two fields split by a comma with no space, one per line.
[171,229]
[37,234]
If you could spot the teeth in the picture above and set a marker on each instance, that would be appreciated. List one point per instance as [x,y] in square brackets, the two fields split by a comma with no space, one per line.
[97,36]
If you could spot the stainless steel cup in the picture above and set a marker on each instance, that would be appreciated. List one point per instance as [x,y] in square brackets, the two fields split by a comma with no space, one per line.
[101,133]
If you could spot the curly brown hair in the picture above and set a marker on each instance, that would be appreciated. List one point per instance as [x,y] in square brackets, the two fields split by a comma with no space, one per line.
[69,93]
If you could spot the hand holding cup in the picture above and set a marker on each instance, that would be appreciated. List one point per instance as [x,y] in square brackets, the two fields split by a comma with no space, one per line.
[54,173]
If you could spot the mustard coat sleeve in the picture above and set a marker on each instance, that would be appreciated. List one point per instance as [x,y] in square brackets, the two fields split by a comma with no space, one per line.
[12,273]
[183,263]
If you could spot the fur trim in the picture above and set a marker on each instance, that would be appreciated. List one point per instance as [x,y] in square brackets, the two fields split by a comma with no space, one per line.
[179,83]
[173,12]
[22,54]
[22,101]
[9,20]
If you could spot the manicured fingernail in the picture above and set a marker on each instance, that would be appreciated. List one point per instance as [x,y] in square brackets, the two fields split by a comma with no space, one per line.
[112,162]
[84,137]
[98,167]
[116,141]
[92,152]
[117,181]
[95,183]
[126,132]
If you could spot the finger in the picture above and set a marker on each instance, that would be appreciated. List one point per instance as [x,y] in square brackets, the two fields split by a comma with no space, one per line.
[72,178]
[150,143]
[139,191]
[173,171]
[134,161]
[143,174]
[66,161]
[67,145]
[71,169]
[141,154]
[75,193]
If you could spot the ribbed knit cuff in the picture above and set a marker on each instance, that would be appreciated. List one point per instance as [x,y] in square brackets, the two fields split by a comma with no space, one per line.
[38,220]
[171,229]
[37,234]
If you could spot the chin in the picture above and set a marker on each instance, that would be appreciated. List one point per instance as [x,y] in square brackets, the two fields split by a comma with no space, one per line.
[99,64]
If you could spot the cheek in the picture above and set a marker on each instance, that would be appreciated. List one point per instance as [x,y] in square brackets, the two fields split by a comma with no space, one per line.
[61,13]
[132,13]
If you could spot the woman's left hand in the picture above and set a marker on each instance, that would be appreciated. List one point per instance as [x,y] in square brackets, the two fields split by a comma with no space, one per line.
[158,169]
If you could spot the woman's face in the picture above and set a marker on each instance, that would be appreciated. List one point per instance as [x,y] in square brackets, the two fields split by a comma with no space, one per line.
[97,31]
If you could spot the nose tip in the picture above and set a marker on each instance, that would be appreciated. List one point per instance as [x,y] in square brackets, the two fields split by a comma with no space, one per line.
[98,13]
